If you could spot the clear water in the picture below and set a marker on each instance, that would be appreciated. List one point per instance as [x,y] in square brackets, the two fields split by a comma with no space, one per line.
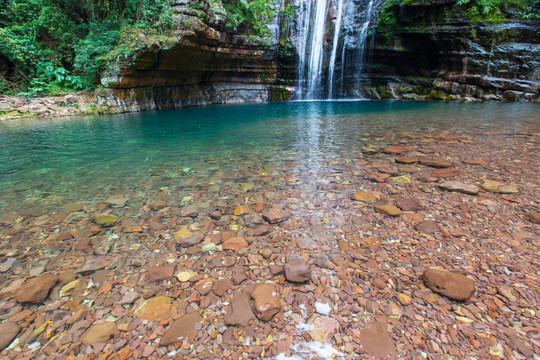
[52,162]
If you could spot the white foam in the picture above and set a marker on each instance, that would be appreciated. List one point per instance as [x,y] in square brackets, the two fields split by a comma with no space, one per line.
[304,327]
[311,350]
[322,308]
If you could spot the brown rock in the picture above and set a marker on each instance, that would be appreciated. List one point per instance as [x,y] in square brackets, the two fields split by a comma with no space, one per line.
[426,227]
[375,339]
[395,149]
[450,284]
[378,177]
[266,302]
[407,160]
[239,312]
[445,173]
[99,333]
[365,197]
[498,187]
[35,290]
[459,187]
[409,205]
[191,240]
[157,307]
[436,163]
[158,205]
[181,329]
[159,273]
[388,209]
[221,286]
[190,211]
[533,217]
[297,269]
[276,215]
[8,332]
[324,328]
[235,244]
[241,210]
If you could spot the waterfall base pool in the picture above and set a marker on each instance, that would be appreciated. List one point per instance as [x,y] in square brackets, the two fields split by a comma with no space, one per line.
[209,202]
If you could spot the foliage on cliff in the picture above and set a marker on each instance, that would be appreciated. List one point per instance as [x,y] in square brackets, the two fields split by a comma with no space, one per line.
[50,46]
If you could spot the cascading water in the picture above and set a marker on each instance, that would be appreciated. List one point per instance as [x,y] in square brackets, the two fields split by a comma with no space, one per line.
[323,28]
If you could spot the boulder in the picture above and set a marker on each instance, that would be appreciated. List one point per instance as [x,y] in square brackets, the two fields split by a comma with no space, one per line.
[450,284]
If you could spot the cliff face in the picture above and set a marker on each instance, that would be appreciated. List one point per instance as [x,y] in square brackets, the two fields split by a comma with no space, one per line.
[208,64]
[434,50]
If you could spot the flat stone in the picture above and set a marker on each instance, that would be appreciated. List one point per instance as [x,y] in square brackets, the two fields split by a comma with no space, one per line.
[498,187]
[395,149]
[191,240]
[94,264]
[445,173]
[459,187]
[35,290]
[436,163]
[388,209]
[376,340]
[158,205]
[105,220]
[450,284]
[181,329]
[266,302]
[378,177]
[409,205]
[157,307]
[159,273]
[533,216]
[297,269]
[365,197]
[117,201]
[323,328]
[427,227]
[276,215]
[235,244]
[99,333]
[407,159]
[239,312]
[221,286]
[190,211]
[129,298]
[253,220]
[8,332]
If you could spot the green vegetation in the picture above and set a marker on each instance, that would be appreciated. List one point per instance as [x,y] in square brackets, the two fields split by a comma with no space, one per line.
[55,46]
[257,13]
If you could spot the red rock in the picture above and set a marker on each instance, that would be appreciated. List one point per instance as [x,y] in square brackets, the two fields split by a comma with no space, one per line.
[376,340]
[445,173]
[276,215]
[450,284]
[159,273]
[297,269]
[436,163]
[395,149]
[221,286]
[8,333]
[35,290]
[266,302]
[235,244]
[99,333]
[409,205]
[239,312]
[378,177]
[181,329]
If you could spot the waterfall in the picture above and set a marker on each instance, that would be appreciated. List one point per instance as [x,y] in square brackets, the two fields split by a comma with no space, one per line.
[323,28]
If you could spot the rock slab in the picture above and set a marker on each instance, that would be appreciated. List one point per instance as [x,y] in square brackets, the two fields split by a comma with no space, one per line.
[450,284]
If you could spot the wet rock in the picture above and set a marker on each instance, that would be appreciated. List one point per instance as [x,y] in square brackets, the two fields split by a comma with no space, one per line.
[266,302]
[117,201]
[129,298]
[436,163]
[99,333]
[365,197]
[378,177]
[376,340]
[159,273]
[395,149]
[221,287]
[323,328]
[190,211]
[253,220]
[105,220]
[450,284]
[8,332]
[185,275]
[157,307]
[445,173]
[35,290]
[407,160]
[427,227]
[181,329]
[297,269]
[94,264]
[404,299]
[388,209]
[459,187]
[241,210]
[533,216]
[239,312]
[276,215]
[235,244]
[158,205]
[409,205]
[191,240]
[498,187]
[371,242]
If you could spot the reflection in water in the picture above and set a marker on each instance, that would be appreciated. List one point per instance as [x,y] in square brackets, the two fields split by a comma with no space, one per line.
[54,161]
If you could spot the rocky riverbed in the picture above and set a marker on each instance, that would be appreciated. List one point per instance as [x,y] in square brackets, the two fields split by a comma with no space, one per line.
[424,244]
